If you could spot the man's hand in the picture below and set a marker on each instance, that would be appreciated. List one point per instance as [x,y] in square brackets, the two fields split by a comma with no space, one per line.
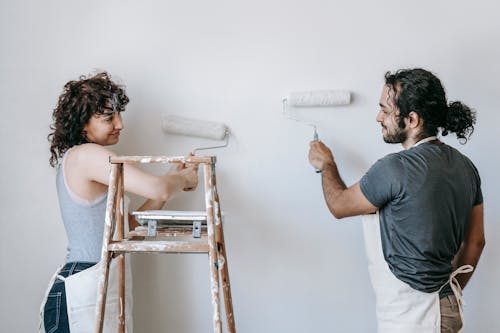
[320,155]
[342,201]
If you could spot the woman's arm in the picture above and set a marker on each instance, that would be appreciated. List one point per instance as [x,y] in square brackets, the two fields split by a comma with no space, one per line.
[151,204]
[90,167]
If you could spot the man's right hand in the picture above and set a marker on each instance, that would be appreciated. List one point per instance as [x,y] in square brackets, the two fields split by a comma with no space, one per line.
[320,155]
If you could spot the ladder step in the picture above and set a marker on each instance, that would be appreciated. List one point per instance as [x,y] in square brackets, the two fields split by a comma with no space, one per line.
[159,246]
[167,232]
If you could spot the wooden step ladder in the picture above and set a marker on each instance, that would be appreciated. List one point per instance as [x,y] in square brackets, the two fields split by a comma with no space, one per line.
[186,232]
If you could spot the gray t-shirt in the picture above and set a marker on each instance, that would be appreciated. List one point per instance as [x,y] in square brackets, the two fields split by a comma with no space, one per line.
[425,197]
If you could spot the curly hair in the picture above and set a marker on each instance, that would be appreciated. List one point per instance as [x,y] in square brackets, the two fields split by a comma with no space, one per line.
[79,101]
[421,91]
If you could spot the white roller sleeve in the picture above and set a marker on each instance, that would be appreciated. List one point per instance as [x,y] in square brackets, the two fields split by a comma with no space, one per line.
[319,98]
[192,127]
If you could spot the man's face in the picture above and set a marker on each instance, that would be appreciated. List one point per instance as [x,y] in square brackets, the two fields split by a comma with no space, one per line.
[388,118]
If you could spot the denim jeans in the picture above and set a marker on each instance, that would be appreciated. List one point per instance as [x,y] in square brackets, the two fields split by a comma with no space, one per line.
[55,316]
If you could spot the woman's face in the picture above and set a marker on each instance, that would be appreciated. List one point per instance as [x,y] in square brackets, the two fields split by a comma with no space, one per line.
[104,129]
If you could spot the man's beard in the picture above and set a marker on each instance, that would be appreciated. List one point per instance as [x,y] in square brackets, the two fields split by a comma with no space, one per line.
[399,136]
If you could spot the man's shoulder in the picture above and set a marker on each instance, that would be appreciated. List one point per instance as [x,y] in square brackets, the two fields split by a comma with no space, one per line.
[390,166]
[392,159]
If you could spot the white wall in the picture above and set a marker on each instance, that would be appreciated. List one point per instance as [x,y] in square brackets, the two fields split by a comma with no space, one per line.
[293,267]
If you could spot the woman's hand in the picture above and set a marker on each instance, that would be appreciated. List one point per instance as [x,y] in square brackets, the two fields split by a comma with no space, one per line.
[189,173]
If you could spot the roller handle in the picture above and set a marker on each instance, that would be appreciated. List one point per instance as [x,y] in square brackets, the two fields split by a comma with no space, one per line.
[315,138]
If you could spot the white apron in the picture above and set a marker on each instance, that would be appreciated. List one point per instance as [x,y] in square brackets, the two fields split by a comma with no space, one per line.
[81,296]
[400,308]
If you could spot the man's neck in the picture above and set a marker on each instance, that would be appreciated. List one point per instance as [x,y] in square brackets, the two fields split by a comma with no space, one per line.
[414,139]
[409,143]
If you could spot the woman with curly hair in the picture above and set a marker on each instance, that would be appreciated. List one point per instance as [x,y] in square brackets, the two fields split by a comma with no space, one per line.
[87,120]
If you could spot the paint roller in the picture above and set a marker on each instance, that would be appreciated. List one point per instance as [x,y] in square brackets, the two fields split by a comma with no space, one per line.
[315,98]
[192,127]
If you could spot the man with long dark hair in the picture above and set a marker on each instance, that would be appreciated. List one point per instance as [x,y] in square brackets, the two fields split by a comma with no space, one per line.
[423,206]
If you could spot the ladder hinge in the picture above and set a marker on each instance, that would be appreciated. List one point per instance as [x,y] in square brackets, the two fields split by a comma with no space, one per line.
[152,228]
[196,229]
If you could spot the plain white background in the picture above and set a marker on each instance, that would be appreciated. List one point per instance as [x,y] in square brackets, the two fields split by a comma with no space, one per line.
[293,267]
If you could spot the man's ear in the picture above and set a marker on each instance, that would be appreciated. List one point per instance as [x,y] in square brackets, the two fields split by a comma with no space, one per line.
[414,119]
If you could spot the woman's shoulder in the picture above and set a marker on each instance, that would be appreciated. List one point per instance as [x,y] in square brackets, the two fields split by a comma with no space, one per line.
[90,148]
[88,161]
[88,153]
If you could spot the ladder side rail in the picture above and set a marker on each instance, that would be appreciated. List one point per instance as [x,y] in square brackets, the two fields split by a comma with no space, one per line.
[120,234]
[105,255]
[222,256]
[212,253]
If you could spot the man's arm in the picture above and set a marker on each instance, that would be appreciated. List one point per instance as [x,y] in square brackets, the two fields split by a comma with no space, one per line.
[472,246]
[342,201]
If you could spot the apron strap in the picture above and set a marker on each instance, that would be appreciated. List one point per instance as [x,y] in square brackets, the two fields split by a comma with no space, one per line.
[55,276]
[427,139]
[457,289]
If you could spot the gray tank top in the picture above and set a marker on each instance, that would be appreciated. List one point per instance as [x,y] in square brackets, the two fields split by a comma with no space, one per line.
[83,221]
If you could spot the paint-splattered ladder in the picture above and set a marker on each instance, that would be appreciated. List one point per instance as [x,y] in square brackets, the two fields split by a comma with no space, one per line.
[194,232]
